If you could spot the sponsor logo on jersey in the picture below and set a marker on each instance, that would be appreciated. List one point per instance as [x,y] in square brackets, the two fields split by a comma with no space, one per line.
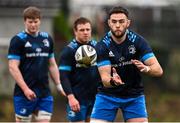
[121,64]
[37,54]
[121,59]
[28,44]
[38,50]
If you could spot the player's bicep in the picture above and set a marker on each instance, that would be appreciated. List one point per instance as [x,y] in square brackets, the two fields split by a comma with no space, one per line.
[14,62]
[144,50]
[52,61]
[66,57]
[51,51]
[13,65]
[151,61]
[15,48]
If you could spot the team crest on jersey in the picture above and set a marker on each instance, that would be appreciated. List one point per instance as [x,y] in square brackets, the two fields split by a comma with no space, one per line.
[28,44]
[111,54]
[46,43]
[132,49]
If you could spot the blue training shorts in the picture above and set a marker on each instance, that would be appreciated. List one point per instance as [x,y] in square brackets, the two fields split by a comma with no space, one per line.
[25,107]
[106,107]
[85,112]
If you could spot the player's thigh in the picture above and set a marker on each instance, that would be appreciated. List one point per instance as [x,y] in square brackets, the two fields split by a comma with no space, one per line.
[105,108]
[135,109]
[45,109]
[23,108]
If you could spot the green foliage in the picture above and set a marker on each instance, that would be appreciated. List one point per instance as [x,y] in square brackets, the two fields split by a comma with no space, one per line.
[163,107]
[61,26]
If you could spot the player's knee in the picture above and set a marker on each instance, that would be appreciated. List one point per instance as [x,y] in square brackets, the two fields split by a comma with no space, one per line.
[142,120]
[92,120]
[43,116]
[23,118]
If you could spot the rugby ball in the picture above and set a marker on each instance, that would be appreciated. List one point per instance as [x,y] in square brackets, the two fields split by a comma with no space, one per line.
[86,55]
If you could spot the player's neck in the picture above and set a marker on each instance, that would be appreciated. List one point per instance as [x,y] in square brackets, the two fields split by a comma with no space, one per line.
[82,41]
[30,33]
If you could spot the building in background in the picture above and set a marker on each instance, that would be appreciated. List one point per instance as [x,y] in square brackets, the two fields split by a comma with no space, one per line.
[11,19]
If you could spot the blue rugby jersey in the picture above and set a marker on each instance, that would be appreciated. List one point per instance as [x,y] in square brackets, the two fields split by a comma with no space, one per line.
[119,56]
[76,79]
[34,53]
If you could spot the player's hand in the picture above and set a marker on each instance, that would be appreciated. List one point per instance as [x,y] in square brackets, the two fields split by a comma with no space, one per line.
[143,68]
[29,94]
[73,103]
[116,78]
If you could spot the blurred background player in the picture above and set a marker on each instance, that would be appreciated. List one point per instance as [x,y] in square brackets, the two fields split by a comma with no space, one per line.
[122,56]
[30,58]
[78,80]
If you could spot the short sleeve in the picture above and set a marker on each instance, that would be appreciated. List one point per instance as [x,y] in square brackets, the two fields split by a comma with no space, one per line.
[102,54]
[144,49]
[66,59]
[51,51]
[15,48]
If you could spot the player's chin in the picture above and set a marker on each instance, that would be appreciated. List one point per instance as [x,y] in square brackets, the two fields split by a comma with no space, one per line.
[86,40]
[33,31]
[118,33]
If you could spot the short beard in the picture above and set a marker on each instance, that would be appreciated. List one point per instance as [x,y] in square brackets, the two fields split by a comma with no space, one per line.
[118,36]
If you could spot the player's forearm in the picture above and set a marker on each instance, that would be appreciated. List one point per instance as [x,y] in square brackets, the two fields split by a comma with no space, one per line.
[54,72]
[150,67]
[155,70]
[66,82]
[106,80]
[105,73]
[16,74]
